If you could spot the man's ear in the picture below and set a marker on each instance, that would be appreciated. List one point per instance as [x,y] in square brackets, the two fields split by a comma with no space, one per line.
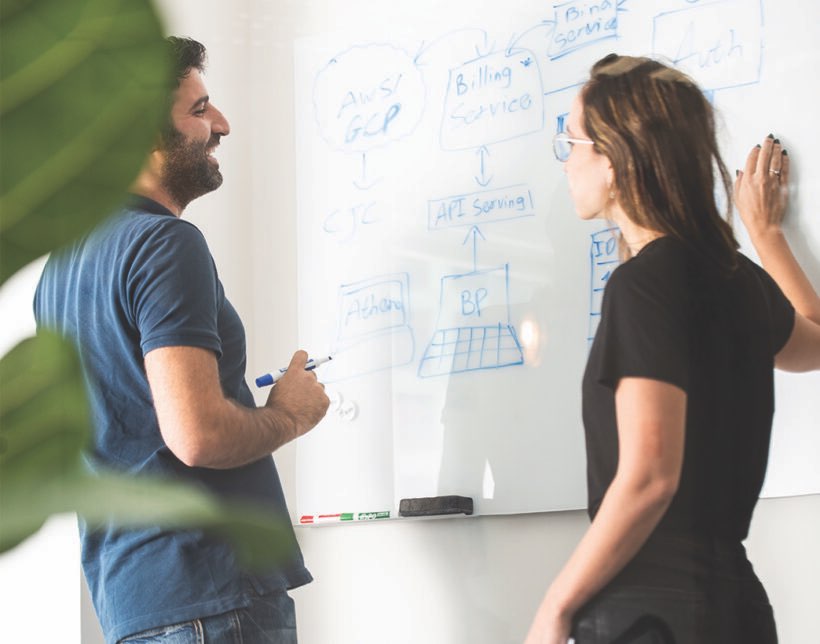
[154,162]
[148,178]
[159,142]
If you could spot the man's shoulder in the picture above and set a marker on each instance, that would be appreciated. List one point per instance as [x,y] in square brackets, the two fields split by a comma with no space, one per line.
[134,226]
[133,216]
[134,241]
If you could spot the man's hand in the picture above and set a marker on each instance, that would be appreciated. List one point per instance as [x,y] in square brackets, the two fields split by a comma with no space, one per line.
[299,395]
[203,428]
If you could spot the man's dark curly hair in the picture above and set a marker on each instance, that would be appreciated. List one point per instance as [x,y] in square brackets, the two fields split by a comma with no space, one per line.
[185,54]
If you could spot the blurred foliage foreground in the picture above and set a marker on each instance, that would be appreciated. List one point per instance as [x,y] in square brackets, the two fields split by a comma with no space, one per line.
[83,89]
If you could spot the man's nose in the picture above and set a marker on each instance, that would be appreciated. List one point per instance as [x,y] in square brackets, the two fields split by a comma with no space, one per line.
[220,123]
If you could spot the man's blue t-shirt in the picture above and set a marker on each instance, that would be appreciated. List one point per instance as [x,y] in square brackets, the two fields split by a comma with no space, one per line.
[145,279]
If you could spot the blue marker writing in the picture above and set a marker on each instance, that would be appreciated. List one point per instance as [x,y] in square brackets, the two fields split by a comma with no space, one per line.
[271,378]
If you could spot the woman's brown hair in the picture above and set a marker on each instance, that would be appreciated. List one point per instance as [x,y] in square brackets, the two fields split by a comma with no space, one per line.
[658,130]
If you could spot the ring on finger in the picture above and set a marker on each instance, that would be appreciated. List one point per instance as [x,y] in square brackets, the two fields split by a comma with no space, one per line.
[775,172]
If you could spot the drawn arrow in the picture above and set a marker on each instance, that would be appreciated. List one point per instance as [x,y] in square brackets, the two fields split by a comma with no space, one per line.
[512,45]
[364,184]
[482,152]
[475,233]
[486,49]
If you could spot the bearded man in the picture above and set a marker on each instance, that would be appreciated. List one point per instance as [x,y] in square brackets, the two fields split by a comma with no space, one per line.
[163,352]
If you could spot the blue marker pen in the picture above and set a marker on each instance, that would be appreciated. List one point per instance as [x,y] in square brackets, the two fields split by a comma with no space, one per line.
[271,378]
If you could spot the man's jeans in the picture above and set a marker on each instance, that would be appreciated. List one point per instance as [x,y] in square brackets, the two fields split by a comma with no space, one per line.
[270,619]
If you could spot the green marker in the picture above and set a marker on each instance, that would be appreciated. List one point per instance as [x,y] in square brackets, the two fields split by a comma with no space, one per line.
[364,516]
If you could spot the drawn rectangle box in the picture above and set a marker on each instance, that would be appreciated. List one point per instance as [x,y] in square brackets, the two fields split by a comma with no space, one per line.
[579,23]
[484,206]
[492,99]
[473,330]
[719,45]
[603,256]
[373,327]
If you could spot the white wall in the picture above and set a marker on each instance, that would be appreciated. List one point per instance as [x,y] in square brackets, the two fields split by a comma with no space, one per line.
[449,581]
[40,586]
[42,571]
[479,580]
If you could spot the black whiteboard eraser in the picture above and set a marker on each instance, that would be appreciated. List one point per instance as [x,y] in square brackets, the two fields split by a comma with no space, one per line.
[435,505]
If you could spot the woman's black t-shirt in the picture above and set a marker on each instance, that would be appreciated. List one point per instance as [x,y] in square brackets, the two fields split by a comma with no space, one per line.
[667,316]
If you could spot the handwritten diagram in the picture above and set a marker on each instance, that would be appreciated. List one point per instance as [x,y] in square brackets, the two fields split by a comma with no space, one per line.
[719,44]
[440,259]
[367,98]
[580,24]
[603,259]
[480,207]
[491,99]
[473,331]
[373,331]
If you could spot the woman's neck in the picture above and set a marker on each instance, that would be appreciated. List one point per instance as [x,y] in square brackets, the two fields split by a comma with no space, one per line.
[635,237]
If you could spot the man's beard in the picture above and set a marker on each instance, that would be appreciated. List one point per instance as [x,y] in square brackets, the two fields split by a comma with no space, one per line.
[188,173]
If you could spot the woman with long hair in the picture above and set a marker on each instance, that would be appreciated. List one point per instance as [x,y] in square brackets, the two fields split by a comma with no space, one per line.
[678,392]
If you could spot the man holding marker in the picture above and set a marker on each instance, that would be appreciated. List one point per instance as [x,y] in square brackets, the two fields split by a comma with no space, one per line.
[273,378]
[164,355]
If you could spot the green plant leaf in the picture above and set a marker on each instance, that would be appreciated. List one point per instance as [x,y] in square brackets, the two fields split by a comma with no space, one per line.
[128,502]
[43,426]
[44,421]
[83,89]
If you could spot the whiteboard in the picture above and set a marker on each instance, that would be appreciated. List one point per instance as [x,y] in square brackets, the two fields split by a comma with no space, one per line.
[439,257]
